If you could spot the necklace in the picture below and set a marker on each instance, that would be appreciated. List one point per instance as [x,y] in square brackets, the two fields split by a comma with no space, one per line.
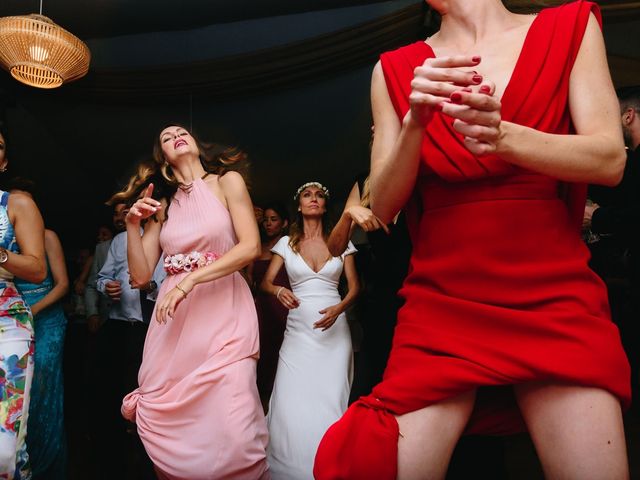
[187,187]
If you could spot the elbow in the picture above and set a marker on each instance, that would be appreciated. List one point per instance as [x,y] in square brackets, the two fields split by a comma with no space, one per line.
[39,274]
[382,213]
[252,251]
[334,248]
[64,287]
[139,279]
[614,169]
[380,209]
[356,291]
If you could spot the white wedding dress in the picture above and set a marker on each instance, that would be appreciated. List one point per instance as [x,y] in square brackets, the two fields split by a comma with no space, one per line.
[315,368]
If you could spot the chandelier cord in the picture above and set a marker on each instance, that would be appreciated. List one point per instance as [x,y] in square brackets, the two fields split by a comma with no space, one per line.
[40,7]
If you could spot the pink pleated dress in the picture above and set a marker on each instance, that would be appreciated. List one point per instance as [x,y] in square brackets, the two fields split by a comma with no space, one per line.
[197,407]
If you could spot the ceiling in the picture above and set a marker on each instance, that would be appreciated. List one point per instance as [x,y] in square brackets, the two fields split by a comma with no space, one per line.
[108,18]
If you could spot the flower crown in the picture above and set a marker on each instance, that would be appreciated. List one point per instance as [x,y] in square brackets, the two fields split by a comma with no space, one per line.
[324,189]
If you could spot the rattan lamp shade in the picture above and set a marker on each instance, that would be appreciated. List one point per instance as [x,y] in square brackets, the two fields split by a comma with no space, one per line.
[39,53]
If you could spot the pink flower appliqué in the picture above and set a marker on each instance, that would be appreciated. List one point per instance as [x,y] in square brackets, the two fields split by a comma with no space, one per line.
[180,262]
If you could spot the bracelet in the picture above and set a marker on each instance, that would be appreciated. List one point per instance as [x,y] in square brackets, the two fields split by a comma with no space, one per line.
[182,290]
[278,293]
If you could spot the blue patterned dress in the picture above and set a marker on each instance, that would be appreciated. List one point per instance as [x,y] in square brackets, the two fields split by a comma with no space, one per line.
[16,363]
[46,442]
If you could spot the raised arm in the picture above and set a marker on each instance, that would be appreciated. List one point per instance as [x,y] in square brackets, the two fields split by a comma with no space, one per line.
[341,233]
[144,251]
[594,155]
[55,255]
[30,263]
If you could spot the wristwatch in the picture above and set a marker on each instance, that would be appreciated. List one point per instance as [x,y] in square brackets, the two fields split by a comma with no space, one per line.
[4,255]
[151,286]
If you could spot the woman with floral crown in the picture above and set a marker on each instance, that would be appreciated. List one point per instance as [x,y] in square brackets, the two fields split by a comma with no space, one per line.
[313,379]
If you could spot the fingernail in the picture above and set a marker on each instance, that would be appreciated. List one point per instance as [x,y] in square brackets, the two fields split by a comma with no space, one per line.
[476,58]
[485,89]
[456,97]
[477,78]
[438,107]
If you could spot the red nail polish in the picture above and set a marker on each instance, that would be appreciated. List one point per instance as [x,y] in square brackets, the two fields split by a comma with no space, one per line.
[456,97]
[476,58]
[485,89]
[477,78]
[438,107]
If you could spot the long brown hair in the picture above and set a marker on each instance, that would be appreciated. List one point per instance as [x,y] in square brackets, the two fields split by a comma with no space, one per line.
[215,158]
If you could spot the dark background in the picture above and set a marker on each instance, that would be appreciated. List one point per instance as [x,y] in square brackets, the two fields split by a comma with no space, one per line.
[286,80]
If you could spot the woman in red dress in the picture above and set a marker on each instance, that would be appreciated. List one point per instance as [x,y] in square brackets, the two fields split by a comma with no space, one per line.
[486,134]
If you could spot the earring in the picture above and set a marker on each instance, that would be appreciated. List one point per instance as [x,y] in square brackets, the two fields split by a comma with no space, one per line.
[3,169]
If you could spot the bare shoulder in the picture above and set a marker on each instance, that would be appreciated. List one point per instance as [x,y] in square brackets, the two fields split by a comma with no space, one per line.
[377,76]
[52,242]
[21,202]
[232,184]
[231,179]
[21,205]
[51,237]
[593,27]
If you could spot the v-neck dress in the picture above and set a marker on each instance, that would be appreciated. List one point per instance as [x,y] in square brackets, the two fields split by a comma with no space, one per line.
[499,292]
[314,374]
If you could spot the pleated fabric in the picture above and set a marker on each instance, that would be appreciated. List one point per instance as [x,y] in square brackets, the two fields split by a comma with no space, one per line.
[197,408]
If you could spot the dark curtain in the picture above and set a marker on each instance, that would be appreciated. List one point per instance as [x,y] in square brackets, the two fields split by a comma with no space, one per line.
[264,70]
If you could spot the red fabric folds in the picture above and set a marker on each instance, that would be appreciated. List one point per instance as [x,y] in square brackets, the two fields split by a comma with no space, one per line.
[499,291]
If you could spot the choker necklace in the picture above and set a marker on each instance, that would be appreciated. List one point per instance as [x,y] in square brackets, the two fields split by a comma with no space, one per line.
[187,187]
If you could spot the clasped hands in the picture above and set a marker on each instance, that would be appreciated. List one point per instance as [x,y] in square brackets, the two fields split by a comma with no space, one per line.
[290,301]
[451,86]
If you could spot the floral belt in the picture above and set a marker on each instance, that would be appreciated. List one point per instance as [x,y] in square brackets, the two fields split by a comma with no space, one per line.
[188,262]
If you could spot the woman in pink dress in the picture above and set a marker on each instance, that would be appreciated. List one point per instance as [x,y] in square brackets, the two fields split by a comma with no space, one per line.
[197,407]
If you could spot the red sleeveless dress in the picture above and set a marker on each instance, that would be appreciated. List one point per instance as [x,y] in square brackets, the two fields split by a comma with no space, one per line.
[499,292]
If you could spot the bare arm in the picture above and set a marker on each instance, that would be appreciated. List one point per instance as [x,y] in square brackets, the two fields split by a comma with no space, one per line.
[341,233]
[395,156]
[283,294]
[272,270]
[30,263]
[353,285]
[144,251]
[55,255]
[246,250]
[395,153]
[594,155]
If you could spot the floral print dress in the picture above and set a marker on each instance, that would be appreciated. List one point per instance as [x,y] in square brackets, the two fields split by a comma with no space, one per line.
[16,363]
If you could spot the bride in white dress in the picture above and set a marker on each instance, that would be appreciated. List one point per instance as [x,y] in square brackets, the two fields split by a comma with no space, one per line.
[313,379]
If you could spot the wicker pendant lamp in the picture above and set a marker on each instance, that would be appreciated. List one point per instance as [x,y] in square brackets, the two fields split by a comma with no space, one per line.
[40,53]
